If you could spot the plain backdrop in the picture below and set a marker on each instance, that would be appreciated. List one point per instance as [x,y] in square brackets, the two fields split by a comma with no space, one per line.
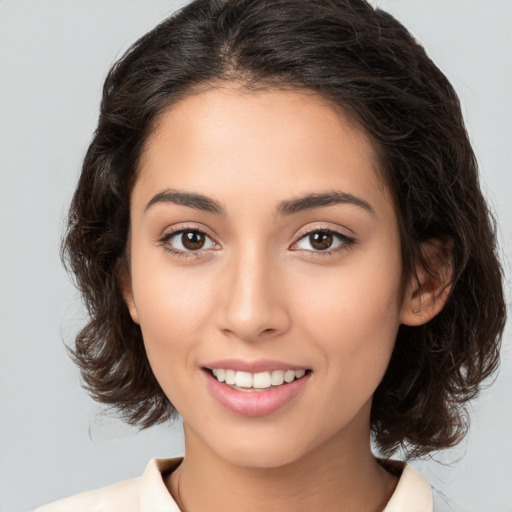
[54,56]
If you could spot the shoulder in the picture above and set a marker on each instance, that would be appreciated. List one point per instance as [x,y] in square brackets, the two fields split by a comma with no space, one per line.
[141,494]
[120,496]
[412,494]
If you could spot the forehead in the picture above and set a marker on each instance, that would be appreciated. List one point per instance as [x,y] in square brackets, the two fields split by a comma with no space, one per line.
[296,114]
[286,141]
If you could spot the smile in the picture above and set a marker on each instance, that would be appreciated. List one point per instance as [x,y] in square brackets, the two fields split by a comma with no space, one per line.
[263,391]
[246,381]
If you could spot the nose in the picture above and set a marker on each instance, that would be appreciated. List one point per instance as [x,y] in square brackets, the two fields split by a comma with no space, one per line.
[252,300]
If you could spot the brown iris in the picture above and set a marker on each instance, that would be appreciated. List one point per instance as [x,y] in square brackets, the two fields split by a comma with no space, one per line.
[321,240]
[193,240]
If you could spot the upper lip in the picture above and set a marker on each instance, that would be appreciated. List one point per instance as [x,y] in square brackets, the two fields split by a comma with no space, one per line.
[256,366]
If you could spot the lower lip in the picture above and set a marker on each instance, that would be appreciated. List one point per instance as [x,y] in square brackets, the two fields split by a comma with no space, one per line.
[255,403]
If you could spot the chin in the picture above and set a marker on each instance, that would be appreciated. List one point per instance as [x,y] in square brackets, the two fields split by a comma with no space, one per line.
[259,457]
[268,446]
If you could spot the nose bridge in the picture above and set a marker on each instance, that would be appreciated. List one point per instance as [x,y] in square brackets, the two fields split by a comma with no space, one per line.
[253,307]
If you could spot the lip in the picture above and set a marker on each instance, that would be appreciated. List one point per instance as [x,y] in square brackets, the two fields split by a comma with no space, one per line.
[260,365]
[254,403]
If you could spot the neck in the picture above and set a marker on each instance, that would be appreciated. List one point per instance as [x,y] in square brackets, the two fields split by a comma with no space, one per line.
[336,473]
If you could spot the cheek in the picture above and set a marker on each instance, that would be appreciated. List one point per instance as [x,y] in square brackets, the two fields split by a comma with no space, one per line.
[353,315]
[173,309]
[172,314]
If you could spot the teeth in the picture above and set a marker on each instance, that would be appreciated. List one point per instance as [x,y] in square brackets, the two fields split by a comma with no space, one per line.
[230,376]
[261,380]
[243,379]
[289,376]
[277,377]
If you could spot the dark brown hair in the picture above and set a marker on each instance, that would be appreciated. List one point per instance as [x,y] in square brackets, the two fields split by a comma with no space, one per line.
[359,59]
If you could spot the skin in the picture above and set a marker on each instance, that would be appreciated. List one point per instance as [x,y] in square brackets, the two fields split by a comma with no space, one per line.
[259,289]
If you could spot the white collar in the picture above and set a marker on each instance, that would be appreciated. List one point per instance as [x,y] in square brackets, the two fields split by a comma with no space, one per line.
[412,494]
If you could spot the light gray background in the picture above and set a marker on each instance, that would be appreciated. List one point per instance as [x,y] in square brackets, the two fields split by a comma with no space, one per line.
[54,56]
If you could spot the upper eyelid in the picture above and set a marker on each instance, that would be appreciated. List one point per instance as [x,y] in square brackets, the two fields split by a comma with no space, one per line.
[324,226]
[346,243]
[329,229]
[341,236]
[170,231]
[164,239]
[301,235]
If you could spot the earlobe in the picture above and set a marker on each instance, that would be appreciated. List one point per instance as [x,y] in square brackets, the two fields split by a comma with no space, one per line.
[428,290]
[125,286]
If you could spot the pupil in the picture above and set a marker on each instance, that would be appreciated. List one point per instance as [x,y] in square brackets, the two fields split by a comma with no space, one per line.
[321,240]
[192,240]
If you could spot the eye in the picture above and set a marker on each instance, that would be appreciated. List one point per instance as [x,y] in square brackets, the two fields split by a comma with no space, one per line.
[323,240]
[187,240]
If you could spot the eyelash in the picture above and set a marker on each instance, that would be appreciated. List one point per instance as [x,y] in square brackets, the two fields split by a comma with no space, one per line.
[164,241]
[346,242]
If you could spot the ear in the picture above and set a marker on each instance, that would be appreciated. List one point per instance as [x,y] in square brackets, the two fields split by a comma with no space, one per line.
[428,290]
[125,286]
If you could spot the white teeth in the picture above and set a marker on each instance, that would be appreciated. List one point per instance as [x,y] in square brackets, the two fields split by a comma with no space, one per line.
[230,377]
[300,373]
[243,379]
[289,376]
[261,380]
[277,377]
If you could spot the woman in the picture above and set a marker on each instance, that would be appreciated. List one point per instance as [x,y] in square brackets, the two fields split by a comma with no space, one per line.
[279,233]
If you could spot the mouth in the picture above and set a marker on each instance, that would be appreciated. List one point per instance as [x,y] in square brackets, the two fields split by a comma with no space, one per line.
[256,382]
[259,393]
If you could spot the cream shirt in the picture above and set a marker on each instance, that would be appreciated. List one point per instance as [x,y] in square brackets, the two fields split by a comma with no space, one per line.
[148,493]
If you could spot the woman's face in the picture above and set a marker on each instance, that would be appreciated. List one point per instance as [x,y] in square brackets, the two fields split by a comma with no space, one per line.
[264,245]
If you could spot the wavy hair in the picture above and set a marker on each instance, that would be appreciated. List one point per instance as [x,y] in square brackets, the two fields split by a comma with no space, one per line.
[364,61]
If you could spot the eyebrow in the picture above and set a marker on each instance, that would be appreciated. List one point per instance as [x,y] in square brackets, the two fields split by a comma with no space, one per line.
[288,207]
[197,201]
[332,197]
